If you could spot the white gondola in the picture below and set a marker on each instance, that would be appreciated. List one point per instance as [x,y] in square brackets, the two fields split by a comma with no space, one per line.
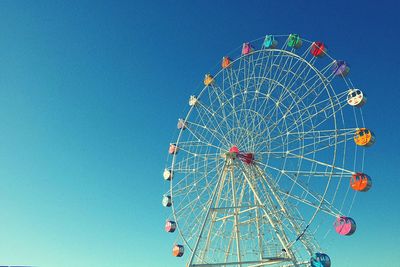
[181,124]
[167,174]
[192,100]
[167,201]
[356,98]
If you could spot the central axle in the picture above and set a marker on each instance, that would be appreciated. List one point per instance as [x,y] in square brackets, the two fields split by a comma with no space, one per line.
[245,157]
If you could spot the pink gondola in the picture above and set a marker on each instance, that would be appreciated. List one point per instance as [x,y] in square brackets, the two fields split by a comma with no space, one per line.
[173,149]
[170,226]
[181,124]
[246,49]
[345,225]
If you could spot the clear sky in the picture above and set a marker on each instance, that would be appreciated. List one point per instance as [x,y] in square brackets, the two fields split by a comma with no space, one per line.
[90,92]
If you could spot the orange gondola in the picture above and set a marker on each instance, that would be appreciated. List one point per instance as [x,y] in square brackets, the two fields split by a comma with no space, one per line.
[226,62]
[178,251]
[360,182]
[364,137]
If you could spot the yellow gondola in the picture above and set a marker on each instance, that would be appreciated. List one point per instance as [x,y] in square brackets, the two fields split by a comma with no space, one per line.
[364,137]
[208,80]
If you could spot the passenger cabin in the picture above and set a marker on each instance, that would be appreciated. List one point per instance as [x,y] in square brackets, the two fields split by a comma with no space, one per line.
[360,182]
[170,226]
[270,42]
[167,174]
[318,49]
[181,124]
[294,41]
[364,137]
[167,201]
[226,62]
[356,98]
[178,251]
[173,149]
[247,158]
[208,80]
[320,260]
[192,100]
[246,49]
[340,68]
[345,225]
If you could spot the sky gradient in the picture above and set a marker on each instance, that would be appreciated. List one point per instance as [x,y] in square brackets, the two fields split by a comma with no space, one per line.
[90,92]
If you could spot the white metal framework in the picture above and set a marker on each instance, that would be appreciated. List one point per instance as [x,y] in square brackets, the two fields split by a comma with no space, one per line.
[288,110]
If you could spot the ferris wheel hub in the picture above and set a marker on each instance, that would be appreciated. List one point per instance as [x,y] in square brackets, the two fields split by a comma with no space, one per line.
[245,157]
[234,149]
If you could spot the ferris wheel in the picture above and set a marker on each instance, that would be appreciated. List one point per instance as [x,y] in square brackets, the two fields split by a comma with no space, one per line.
[269,155]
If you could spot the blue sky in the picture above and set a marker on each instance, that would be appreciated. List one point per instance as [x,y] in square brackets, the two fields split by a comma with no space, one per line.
[90,92]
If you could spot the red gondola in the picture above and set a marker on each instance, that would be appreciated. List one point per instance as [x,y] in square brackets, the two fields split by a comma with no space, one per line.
[226,62]
[318,49]
[360,182]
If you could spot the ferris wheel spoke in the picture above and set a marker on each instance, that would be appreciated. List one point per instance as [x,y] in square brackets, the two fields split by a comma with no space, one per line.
[294,179]
[330,166]
[289,72]
[325,207]
[187,181]
[300,61]
[317,106]
[316,140]
[208,122]
[224,104]
[190,146]
[328,113]
[301,112]
[295,93]
[320,204]
[317,79]
[192,164]
[266,61]
[202,132]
